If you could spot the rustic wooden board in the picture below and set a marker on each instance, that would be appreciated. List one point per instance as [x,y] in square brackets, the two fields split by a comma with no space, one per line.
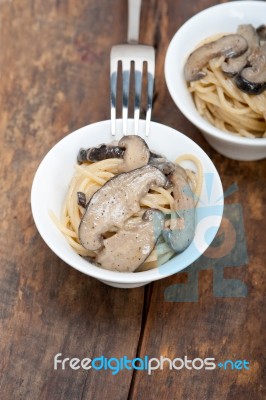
[54,68]
[54,79]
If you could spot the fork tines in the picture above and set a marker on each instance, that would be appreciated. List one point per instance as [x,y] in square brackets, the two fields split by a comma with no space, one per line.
[138,55]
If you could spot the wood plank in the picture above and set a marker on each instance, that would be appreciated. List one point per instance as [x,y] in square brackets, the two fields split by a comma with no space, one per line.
[54,65]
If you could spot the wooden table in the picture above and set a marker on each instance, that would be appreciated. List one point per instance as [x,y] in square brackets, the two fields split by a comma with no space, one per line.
[54,64]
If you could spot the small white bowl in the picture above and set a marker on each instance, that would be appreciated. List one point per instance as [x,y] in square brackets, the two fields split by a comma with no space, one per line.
[222,18]
[56,170]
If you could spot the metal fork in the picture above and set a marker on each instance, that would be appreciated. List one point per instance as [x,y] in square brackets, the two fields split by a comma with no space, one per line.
[138,55]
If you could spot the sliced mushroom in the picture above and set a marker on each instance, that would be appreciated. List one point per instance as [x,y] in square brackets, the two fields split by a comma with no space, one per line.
[252,80]
[81,199]
[136,155]
[156,157]
[115,202]
[183,231]
[234,65]
[99,153]
[128,249]
[133,149]
[229,46]
[167,167]
[261,31]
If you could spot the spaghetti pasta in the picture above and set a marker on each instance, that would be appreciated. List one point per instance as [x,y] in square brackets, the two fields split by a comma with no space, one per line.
[89,177]
[225,106]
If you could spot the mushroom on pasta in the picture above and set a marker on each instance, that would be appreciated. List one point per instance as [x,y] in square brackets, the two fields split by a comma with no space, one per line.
[228,82]
[118,204]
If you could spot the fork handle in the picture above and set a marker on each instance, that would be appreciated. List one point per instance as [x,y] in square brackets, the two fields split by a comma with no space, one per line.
[134,7]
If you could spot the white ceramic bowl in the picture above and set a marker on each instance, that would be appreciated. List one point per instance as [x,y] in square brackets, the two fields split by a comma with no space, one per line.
[54,174]
[222,18]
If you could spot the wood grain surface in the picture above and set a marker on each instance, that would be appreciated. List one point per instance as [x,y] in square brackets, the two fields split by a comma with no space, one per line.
[54,68]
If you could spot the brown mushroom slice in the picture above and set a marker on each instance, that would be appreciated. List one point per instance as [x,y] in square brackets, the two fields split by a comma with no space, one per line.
[132,148]
[228,46]
[130,247]
[261,31]
[234,65]
[81,199]
[136,154]
[182,231]
[115,202]
[252,80]
[102,152]
[167,167]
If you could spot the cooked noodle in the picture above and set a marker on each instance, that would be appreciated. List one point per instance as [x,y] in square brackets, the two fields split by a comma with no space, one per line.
[219,100]
[89,177]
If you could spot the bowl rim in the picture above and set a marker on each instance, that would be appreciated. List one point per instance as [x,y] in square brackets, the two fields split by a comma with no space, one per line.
[86,267]
[197,119]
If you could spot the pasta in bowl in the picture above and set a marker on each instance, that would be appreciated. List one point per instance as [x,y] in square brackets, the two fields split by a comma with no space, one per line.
[52,186]
[210,73]
[227,79]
